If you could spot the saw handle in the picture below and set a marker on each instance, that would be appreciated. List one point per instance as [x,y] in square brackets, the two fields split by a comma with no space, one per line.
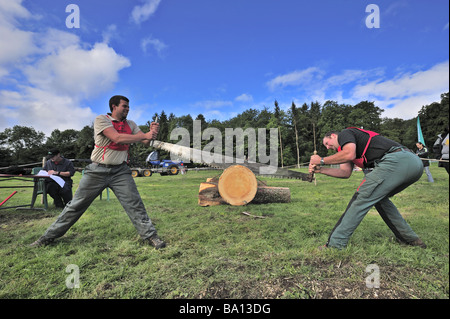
[150,127]
[311,175]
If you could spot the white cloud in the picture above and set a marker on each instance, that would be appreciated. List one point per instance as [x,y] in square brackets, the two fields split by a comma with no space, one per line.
[156,44]
[10,10]
[43,110]
[212,104]
[295,78]
[218,115]
[213,109]
[143,12]
[16,44]
[395,8]
[404,95]
[405,85]
[314,80]
[77,71]
[57,72]
[406,108]
[349,76]
[52,40]
[244,98]
[401,96]
[109,33]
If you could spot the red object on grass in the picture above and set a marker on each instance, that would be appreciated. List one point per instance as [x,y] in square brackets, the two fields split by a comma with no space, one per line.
[8,198]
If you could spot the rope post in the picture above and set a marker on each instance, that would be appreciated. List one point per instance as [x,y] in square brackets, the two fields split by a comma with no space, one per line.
[315,151]
[43,165]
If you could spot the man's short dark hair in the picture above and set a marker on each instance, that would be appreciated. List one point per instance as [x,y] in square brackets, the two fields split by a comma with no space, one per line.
[328,134]
[115,100]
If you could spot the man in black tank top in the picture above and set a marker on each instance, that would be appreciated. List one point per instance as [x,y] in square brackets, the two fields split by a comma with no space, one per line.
[379,145]
[394,168]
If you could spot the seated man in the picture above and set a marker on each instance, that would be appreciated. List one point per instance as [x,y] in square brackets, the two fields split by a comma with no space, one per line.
[59,166]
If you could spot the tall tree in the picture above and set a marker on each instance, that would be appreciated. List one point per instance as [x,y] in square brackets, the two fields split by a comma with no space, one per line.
[85,142]
[64,141]
[434,119]
[393,129]
[5,154]
[164,133]
[294,123]
[25,144]
[365,115]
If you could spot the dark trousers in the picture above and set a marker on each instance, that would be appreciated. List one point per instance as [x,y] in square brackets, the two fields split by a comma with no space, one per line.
[61,195]
[445,165]
[392,174]
[95,179]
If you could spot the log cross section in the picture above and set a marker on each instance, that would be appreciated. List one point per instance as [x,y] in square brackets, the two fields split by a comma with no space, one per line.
[238,186]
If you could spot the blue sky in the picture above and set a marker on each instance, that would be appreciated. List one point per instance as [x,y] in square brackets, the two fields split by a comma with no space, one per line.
[216,57]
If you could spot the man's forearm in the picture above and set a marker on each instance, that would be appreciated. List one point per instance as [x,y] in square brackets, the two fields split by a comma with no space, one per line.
[130,138]
[59,173]
[338,158]
[65,174]
[346,155]
[333,172]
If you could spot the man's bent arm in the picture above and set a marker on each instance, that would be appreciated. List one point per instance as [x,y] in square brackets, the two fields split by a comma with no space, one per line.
[347,154]
[344,171]
[118,138]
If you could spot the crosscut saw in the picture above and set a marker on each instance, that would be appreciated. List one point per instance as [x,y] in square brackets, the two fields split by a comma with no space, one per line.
[223,162]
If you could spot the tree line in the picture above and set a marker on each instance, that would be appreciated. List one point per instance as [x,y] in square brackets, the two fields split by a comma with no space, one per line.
[300,128]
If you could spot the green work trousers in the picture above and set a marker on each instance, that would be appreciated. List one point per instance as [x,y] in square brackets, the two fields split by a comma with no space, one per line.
[392,173]
[95,179]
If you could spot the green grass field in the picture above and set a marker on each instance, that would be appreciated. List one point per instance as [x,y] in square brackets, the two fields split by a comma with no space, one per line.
[217,252]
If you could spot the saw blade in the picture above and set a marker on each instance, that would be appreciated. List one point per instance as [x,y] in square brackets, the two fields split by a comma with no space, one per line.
[223,162]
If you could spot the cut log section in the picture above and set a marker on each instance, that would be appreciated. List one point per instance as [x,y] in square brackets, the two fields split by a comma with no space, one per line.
[267,194]
[238,186]
[208,195]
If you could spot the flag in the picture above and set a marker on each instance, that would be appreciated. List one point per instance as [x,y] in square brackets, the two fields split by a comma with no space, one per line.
[419,133]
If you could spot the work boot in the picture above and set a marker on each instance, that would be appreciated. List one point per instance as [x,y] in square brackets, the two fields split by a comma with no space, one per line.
[418,242]
[42,241]
[155,241]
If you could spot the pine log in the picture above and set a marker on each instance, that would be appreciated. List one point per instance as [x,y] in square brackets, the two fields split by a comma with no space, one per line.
[209,194]
[267,194]
[237,185]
